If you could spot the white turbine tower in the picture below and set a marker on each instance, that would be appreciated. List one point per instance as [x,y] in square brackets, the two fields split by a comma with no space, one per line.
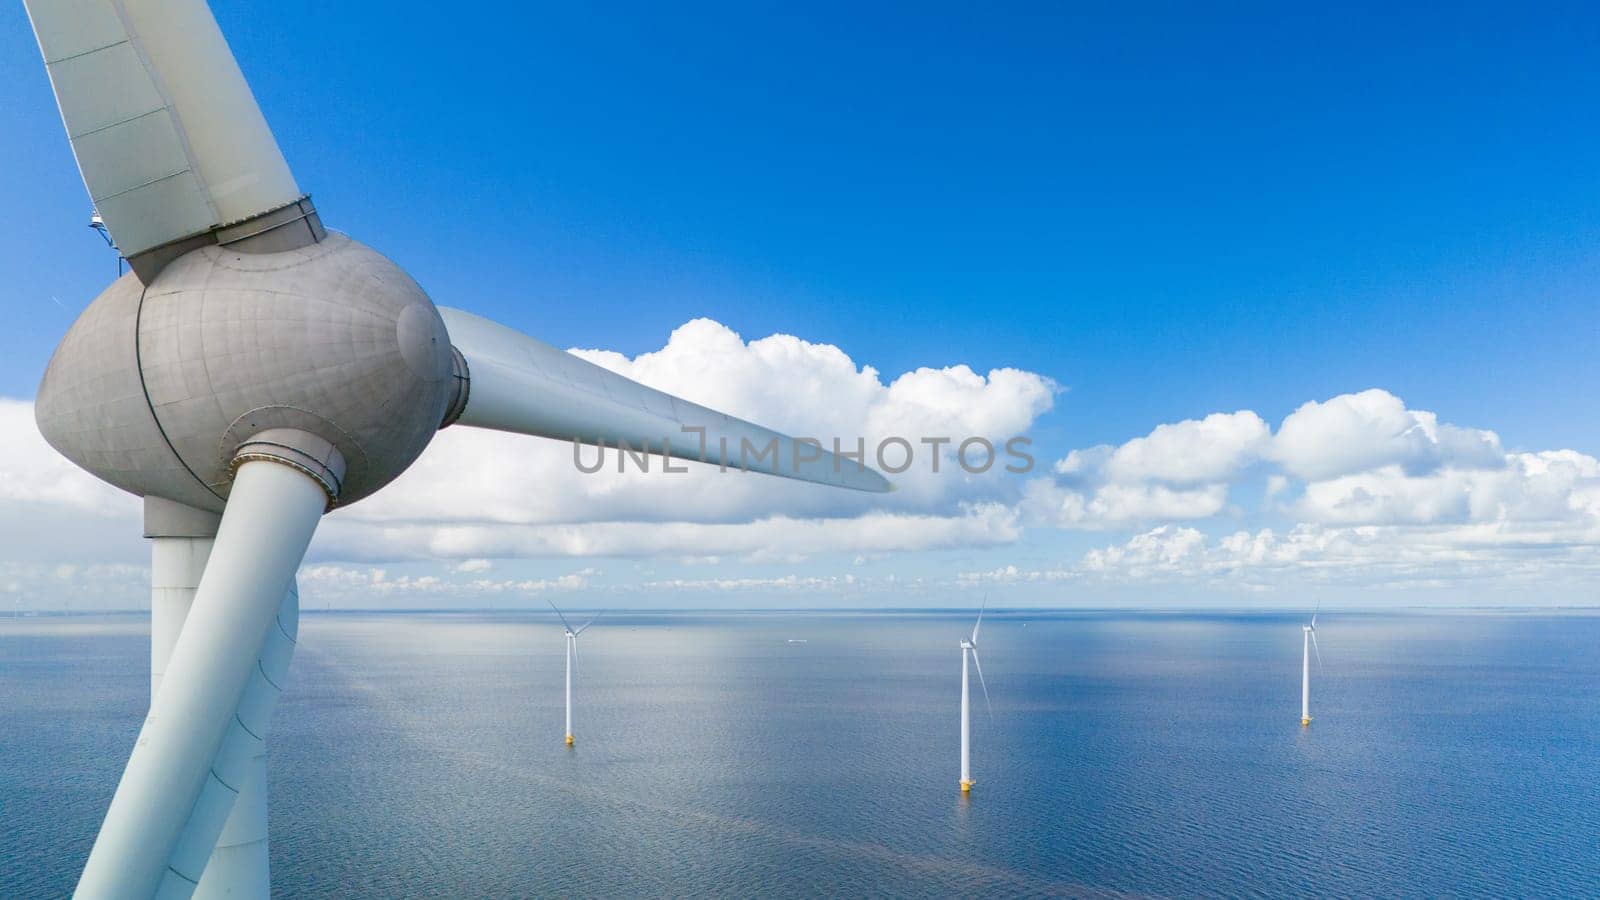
[969,646]
[250,373]
[572,656]
[1305,667]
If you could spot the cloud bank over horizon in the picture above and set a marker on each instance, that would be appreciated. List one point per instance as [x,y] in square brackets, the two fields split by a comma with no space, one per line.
[1351,492]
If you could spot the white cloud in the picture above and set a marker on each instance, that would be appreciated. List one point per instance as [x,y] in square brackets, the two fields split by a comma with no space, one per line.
[1118,505]
[1355,458]
[772,538]
[340,582]
[485,494]
[1373,493]
[478,495]
[816,390]
[33,474]
[1012,575]
[795,583]
[1309,555]
[1373,429]
[1194,451]
[1164,549]
[1555,486]
[1178,471]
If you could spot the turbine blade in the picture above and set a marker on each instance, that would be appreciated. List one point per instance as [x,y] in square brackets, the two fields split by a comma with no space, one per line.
[168,137]
[1314,610]
[564,623]
[590,622]
[981,683]
[242,761]
[574,640]
[525,386]
[1316,649]
[979,623]
[271,513]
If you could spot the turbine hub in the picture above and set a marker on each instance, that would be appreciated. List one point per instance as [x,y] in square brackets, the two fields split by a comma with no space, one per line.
[156,388]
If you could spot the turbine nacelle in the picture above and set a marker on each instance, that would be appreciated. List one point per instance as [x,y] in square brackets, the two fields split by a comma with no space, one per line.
[157,387]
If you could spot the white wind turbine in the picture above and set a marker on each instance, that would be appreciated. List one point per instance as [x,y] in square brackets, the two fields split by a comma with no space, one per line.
[251,372]
[969,645]
[572,656]
[1305,666]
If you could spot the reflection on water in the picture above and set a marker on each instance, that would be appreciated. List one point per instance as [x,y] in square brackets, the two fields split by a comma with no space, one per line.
[1130,753]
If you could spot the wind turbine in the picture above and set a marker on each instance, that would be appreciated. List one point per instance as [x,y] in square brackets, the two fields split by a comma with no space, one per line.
[1305,666]
[572,657]
[251,372]
[969,645]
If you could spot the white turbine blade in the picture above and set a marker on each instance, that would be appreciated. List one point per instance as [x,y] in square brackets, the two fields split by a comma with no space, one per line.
[564,623]
[1316,649]
[167,135]
[171,775]
[526,386]
[590,622]
[574,653]
[240,855]
[979,623]
[1314,610]
[979,666]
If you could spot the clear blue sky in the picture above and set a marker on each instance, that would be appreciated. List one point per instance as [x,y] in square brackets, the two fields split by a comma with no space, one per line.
[1170,212]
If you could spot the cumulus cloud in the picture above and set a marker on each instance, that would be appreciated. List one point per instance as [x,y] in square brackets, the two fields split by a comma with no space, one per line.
[477,495]
[1366,491]
[1362,458]
[33,474]
[1012,575]
[785,583]
[1194,451]
[767,539]
[484,494]
[1557,486]
[1177,471]
[1117,505]
[340,582]
[1371,430]
[1310,555]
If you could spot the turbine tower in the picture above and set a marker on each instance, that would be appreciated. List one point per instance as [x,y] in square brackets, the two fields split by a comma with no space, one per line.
[250,373]
[1305,668]
[572,657]
[969,645]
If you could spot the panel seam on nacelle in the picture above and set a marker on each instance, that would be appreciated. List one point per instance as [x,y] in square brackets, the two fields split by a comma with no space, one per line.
[144,388]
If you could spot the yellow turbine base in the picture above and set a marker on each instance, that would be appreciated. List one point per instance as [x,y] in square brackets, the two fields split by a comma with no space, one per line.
[1305,720]
[569,740]
[966,786]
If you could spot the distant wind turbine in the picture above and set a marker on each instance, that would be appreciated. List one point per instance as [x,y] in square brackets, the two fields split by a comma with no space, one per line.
[1305,667]
[969,645]
[572,657]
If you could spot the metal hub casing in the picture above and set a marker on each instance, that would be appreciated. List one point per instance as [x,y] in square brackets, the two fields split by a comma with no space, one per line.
[156,387]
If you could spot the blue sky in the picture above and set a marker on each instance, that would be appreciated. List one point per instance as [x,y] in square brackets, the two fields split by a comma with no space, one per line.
[1168,212]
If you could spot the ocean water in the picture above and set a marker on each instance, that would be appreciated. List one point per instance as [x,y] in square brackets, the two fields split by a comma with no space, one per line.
[421,755]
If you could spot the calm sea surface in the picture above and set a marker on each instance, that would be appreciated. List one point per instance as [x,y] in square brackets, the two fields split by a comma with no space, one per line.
[1160,754]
